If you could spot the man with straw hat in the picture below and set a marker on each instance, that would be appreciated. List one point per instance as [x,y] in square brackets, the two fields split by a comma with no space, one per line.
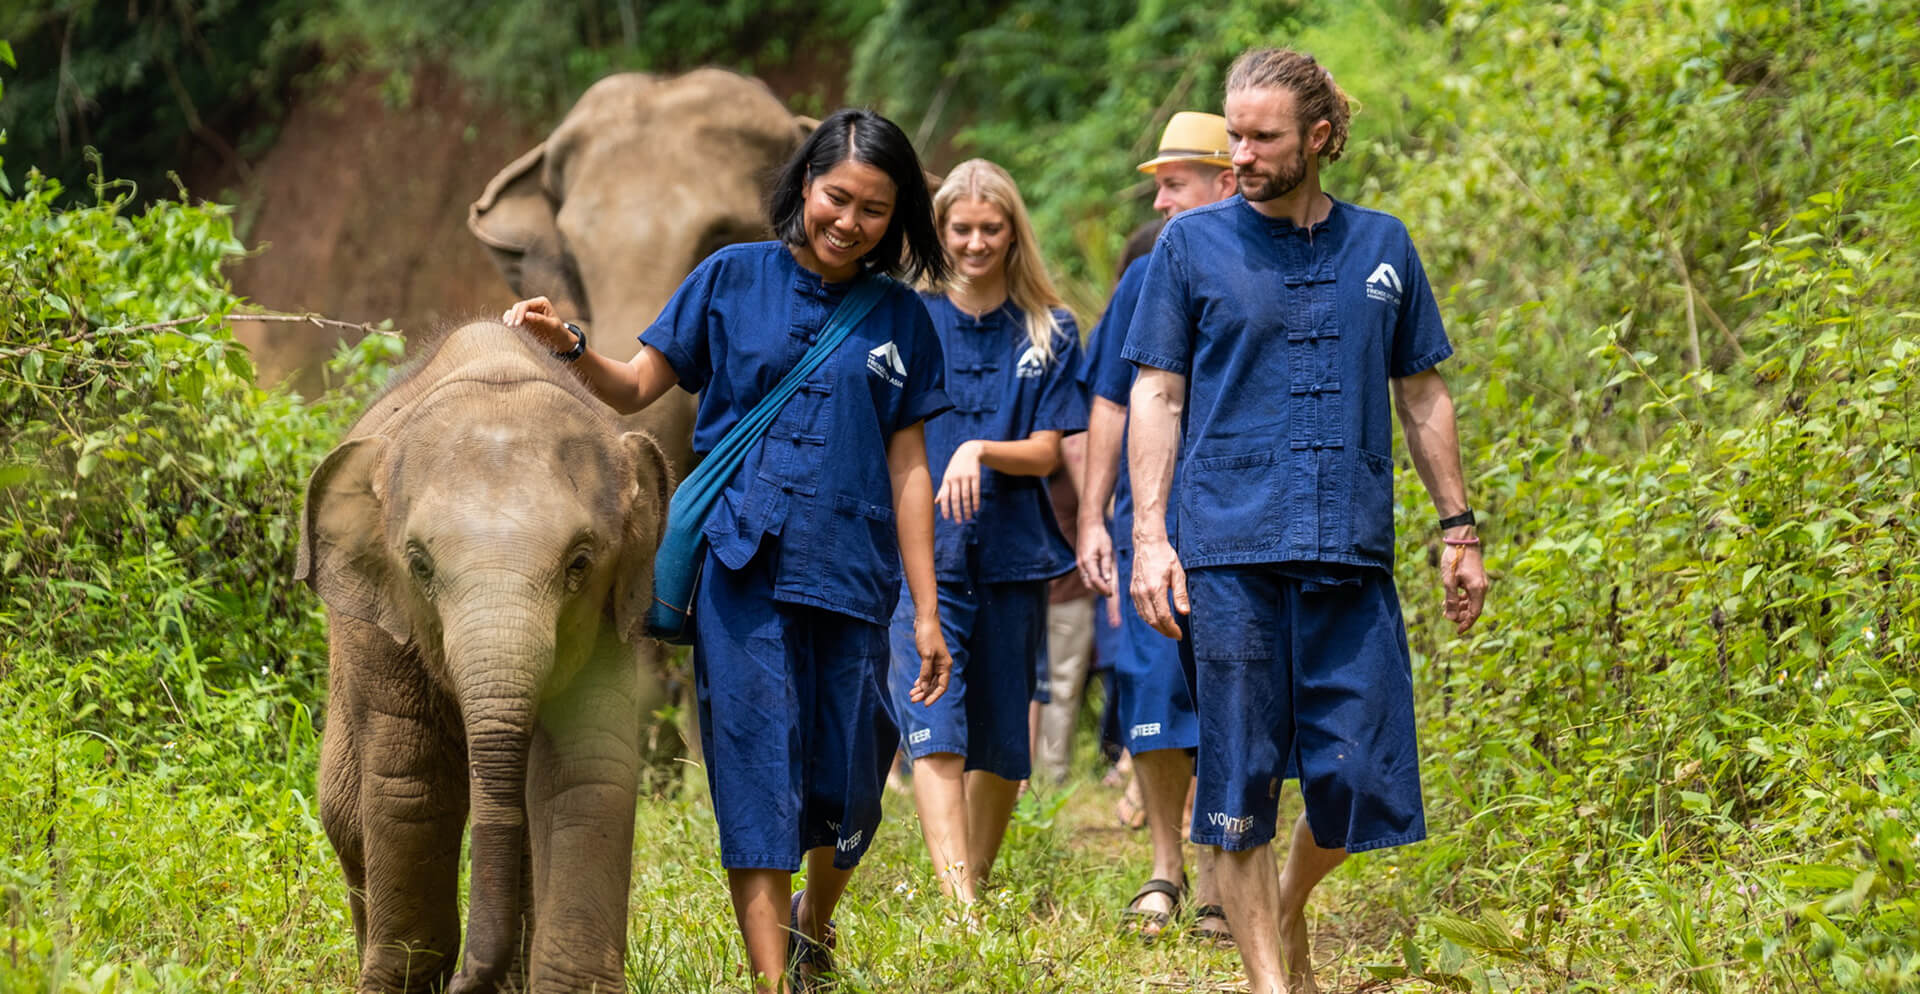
[1153,675]
[1276,379]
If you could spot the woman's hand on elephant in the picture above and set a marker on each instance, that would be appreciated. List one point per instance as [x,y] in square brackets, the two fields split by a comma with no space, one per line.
[936,665]
[538,317]
[959,496]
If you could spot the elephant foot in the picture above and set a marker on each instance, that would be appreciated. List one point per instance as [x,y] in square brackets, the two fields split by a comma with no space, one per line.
[472,980]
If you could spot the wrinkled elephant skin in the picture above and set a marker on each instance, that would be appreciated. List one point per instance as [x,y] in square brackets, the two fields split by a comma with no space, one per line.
[483,541]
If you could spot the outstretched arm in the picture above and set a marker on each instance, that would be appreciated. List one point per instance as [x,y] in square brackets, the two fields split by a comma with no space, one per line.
[624,386]
[1426,417]
[1155,405]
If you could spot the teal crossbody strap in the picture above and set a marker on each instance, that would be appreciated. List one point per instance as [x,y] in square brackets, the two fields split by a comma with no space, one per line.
[676,563]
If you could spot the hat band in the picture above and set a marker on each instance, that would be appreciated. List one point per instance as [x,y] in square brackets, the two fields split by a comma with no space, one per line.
[1209,152]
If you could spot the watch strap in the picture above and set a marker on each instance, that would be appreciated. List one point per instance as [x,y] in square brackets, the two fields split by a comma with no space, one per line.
[579,344]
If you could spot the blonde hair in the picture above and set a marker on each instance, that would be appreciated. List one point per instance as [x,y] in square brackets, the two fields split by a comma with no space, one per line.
[1028,283]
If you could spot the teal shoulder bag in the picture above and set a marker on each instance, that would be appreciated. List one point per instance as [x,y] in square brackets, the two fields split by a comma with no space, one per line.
[676,565]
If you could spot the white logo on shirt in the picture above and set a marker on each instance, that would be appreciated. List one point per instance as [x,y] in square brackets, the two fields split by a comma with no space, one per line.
[1146,729]
[1384,284]
[1032,364]
[884,361]
[919,736]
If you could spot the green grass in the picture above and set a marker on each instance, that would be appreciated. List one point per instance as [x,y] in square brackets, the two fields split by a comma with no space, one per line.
[179,877]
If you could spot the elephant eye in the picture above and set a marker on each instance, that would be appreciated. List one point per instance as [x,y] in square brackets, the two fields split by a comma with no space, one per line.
[577,569]
[419,565]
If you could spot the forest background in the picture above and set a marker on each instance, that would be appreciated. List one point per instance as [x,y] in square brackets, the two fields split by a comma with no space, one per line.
[1672,242]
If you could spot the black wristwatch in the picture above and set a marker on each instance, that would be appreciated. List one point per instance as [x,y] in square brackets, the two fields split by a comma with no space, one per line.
[1463,518]
[579,344]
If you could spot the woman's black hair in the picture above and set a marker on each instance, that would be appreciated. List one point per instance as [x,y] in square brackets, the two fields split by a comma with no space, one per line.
[910,250]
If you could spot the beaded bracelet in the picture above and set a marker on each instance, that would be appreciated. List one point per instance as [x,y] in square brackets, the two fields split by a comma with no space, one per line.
[1461,541]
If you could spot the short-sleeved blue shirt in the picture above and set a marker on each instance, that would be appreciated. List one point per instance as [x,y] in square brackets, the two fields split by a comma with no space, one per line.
[1003,389]
[1107,374]
[818,479]
[1287,338]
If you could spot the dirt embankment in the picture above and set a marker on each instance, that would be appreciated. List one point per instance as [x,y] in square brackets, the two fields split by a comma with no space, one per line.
[358,211]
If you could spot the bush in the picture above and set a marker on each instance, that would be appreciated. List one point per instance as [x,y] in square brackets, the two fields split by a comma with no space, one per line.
[153,649]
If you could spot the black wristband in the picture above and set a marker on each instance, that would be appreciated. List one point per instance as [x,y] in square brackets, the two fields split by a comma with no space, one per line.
[579,344]
[1463,518]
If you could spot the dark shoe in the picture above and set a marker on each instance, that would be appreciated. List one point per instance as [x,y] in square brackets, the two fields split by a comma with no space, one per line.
[1149,924]
[809,962]
[1210,927]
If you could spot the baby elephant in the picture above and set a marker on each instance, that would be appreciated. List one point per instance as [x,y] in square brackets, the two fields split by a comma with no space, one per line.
[484,543]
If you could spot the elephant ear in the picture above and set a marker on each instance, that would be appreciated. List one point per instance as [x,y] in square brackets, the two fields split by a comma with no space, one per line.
[516,219]
[651,488]
[343,538]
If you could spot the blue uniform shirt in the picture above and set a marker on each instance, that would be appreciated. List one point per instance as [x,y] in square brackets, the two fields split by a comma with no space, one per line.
[1287,338]
[818,479]
[1107,374]
[1003,390]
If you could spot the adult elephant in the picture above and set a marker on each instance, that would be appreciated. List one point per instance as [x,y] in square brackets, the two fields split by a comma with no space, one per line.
[483,540]
[643,179]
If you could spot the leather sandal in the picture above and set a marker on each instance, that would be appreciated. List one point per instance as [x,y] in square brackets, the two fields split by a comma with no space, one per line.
[1210,927]
[1149,924]
[809,962]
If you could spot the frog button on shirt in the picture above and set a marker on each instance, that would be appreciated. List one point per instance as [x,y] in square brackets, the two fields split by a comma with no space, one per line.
[1288,338]
[817,483]
[1003,389]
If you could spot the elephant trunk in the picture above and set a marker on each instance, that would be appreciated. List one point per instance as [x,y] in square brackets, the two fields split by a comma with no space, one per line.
[498,657]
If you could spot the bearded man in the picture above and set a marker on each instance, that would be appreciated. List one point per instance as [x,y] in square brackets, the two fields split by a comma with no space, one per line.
[1272,332]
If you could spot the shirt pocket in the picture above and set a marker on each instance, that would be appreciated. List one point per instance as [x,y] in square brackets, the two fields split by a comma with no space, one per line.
[1370,505]
[1230,503]
[866,547]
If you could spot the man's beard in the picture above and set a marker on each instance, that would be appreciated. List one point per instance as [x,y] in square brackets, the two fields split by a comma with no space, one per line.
[1257,187]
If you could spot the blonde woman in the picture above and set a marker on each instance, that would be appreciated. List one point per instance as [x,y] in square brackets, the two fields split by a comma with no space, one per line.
[1011,356]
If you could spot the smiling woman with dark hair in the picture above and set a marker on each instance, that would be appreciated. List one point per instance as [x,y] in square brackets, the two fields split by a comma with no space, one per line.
[909,249]
[807,545]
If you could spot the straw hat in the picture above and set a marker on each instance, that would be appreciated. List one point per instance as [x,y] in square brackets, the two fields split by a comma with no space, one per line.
[1193,137]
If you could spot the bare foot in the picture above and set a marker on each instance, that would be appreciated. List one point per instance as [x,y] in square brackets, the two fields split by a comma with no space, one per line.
[1131,809]
[1299,955]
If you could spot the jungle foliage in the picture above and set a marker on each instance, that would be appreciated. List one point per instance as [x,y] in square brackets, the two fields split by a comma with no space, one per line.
[159,667]
[1671,242]
[168,87]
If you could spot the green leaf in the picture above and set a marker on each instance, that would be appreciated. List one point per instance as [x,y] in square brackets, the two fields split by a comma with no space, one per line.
[1817,877]
[17,473]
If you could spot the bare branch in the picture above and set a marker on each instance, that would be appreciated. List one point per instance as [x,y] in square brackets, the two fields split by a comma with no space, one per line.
[115,332]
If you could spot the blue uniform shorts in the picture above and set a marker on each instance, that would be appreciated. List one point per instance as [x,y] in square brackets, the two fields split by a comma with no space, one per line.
[793,716]
[1307,669]
[1153,678]
[993,631]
